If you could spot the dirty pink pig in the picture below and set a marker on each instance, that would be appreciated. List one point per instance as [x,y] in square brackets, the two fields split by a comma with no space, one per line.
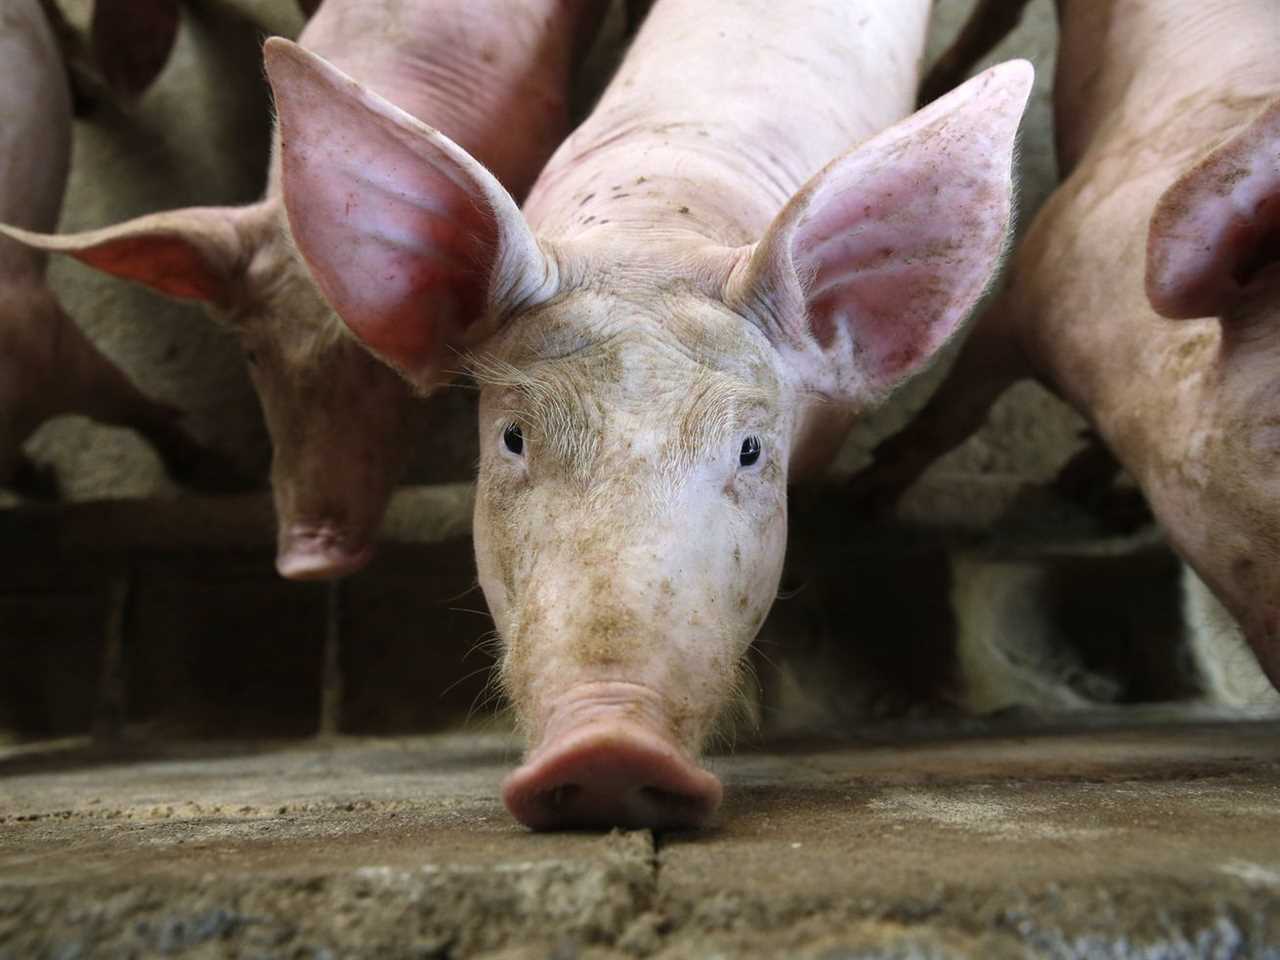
[48,367]
[494,75]
[1147,291]
[690,311]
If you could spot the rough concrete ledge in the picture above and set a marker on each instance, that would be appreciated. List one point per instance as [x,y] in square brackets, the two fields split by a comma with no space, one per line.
[1104,841]
[146,612]
[1002,515]
[566,910]
[416,515]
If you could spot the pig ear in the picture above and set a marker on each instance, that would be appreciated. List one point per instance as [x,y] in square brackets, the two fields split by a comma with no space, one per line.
[1218,226]
[192,254]
[884,254]
[415,245]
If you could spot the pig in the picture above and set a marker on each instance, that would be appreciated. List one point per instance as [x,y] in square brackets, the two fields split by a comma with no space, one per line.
[1227,672]
[1147,290]
[694,305]
[494,74]
[48,367]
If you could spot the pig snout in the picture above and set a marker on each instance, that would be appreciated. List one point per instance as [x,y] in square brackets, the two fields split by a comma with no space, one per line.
[320,551]
[607,758]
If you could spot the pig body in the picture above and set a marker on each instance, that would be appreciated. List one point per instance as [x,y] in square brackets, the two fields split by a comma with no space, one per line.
[494,74]
[1168,127]
[691,309]
[48,367]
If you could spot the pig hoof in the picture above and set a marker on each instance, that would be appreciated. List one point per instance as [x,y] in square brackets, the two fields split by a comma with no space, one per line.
[873,495]
[195,466]
[213,477]
[36,481]
[611,777]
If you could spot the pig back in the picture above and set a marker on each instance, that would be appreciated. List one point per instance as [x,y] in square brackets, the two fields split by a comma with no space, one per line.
[35,129]
[492,75]
[735,106]
[1159,80]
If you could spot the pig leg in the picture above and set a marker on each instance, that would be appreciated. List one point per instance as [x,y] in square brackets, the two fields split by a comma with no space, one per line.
[637,10]
[83,80]
[129,45]
[34,481]
[85,381]
[1228,671]
[989,363]
[990,22]
[132,40]
[109,397]
[1088,481]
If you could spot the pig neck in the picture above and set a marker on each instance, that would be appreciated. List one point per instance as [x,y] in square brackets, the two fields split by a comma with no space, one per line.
[1142,95]
[492,75]
[1159,81]
[717,116]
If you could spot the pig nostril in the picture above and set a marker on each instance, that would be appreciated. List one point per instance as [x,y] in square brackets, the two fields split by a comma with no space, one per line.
[568,802]
[610,775]
[563,795]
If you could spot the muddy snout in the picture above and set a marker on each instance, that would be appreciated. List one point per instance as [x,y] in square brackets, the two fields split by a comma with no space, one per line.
[607,758]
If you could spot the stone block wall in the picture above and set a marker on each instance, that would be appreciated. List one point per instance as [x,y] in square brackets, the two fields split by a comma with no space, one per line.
[164,617]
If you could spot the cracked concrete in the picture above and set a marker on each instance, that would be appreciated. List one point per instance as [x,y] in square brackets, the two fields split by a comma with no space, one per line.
[1136,840]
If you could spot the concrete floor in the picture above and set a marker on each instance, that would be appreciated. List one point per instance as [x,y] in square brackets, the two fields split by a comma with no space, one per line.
[1133,840]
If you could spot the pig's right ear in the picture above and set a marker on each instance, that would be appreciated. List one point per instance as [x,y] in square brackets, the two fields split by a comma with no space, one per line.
[415,245]
[191,254]
[1218,227]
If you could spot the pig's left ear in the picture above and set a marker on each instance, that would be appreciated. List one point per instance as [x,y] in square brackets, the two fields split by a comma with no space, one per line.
[883,255]
[415,245]
[1218,226]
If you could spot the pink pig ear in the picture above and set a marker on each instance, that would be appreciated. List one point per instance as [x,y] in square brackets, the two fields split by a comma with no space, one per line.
[415,245]
[1218,226]
[883,255]
[192,254]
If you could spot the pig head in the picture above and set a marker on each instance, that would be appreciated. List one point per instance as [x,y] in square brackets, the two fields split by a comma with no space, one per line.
[338,419]
[642,399]
[1213,473]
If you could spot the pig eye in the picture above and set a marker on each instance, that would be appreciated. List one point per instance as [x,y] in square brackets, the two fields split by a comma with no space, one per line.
[513,439]
[251,357]
[750,452]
